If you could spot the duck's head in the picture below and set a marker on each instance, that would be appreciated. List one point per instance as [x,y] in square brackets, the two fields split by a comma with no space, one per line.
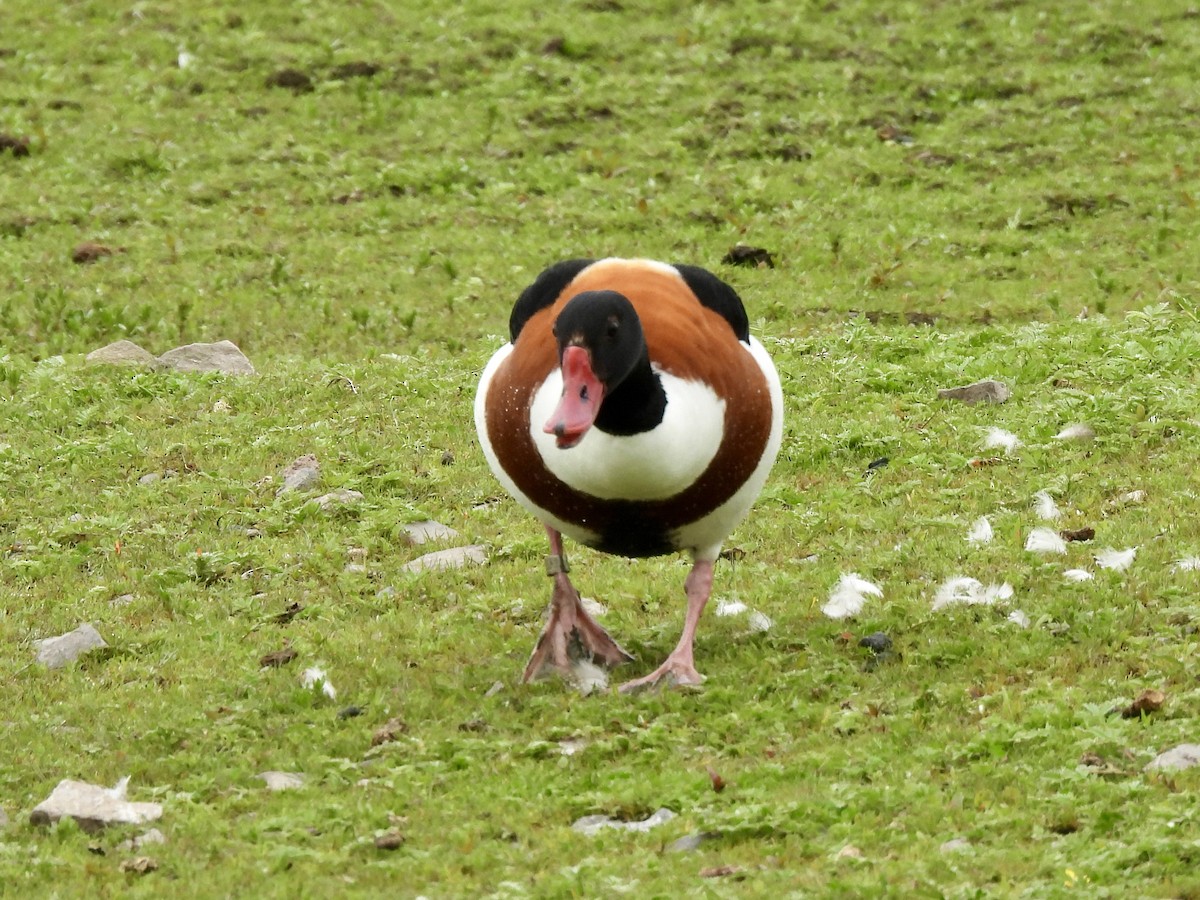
[600,341]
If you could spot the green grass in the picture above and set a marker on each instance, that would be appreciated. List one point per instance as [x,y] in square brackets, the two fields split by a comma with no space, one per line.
[373,233]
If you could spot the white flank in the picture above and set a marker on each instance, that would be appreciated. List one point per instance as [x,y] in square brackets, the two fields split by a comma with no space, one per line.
[1045,506]
[1187,564]
[998,437]
[314,676]
[1078,575]
[848,596]
[1045,540]
[1018,618]
[1117,560]
[971,592]
[1079,432]
[731,607]
[588,676]
[981,532]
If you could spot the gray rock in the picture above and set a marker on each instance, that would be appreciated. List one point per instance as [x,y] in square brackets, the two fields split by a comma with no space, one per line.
[153,836]
[987,391]
[56,652]
[150,478]
[385,593]
[454,558]
[338,499]
[1182,757]
[590,825]
[92,806]
[690,842]
[282,781]
[300,474]
[223,356]
[423,532]
[955,845]
[122,353]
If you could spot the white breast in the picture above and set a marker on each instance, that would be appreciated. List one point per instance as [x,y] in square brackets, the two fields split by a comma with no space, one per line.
[653,465]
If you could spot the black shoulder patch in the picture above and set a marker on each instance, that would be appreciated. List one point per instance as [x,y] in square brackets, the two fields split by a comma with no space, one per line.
[545,289]
[712,292]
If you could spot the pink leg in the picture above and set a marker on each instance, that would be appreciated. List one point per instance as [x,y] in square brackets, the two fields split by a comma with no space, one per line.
[570,632]
[680,668]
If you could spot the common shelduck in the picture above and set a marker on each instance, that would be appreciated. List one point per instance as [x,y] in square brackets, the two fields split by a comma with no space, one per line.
[632,412]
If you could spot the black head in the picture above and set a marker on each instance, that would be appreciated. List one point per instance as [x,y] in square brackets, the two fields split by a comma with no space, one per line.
[605,324]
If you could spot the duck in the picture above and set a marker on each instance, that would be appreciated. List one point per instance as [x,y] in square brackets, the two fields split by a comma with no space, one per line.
[632,412]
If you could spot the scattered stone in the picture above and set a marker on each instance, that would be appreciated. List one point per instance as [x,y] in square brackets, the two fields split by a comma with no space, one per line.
[17,146]
[691,842]
[56,652]
[385,593]
[92,806]
[89,252]
[290,612]
[571,746]
[222,356]
[753,257]
[877,642]
[301,474]
[292,79]
[1129,498]
[955,845]
[282,781]
[133,844]
[222,406]
[423,532]
[355,569]
[496,688]
[593,607]
[891,134]
[720,871]
[277,658]
[357,69]
[1077,534]
[122,353]
[150,478]
[849,852]
[339,499]
[139,865]
[987,391]
[390,840]
[590,825]
[447,458]
[350,712]
[122,600]
[389,731]
[1145,703]
[454,558]
[1182,757]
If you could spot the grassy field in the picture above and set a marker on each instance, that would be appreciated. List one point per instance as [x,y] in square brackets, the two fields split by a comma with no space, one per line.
[355,194]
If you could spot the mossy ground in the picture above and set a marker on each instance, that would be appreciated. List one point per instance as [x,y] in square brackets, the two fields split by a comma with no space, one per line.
[944,188]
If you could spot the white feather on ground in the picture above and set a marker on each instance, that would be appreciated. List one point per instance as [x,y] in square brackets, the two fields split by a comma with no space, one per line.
[758,622]
[1078,575]
[314,676]
[981,532]
[848,596]
[1045,506]
[1117,560]
[1045,540]
[998,437]
[730,607]
[1019,618]
[1078,432]
[588,676]
[1187,564]
[970,592]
